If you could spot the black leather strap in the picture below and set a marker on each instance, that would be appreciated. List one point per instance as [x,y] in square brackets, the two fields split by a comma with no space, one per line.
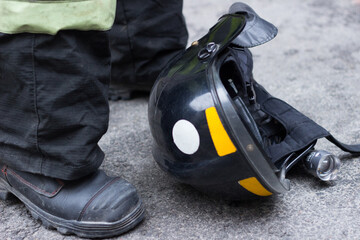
[345,147]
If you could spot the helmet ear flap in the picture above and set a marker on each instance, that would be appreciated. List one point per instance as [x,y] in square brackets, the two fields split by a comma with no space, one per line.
[236,75]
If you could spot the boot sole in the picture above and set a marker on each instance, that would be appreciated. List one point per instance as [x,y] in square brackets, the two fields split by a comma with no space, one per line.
[79,228]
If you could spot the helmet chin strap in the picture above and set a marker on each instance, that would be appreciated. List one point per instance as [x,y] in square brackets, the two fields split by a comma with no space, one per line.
[354,149]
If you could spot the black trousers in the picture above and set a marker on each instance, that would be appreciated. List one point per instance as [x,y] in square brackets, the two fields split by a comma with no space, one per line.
[53,89]
[145,36]
[53,102]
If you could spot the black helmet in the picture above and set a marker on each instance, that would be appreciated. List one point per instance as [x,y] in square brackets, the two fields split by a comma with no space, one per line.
[217,129]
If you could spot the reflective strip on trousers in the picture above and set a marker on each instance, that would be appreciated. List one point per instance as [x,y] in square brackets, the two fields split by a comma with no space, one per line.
[49,17]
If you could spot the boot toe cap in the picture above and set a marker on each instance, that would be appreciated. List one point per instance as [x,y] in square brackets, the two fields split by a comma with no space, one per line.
[112,203]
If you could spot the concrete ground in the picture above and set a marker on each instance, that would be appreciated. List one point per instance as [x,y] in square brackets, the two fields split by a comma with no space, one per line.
[313,64]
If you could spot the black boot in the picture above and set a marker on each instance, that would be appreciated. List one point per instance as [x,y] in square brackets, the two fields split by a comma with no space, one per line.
[95,206]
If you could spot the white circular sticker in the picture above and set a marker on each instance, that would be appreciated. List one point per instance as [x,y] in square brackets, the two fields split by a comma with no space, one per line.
[186,137]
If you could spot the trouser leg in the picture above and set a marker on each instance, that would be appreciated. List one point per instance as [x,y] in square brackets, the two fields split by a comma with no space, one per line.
[53,102]
[145,37]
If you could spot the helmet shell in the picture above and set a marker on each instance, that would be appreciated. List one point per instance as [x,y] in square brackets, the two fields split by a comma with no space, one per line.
[198,137]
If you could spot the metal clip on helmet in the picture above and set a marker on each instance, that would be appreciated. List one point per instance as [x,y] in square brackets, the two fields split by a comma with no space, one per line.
[218,130]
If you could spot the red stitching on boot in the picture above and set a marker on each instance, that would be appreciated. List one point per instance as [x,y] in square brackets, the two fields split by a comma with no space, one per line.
[35,187]
[4,170]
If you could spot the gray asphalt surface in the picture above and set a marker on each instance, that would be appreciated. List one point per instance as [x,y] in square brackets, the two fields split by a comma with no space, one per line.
[313,64]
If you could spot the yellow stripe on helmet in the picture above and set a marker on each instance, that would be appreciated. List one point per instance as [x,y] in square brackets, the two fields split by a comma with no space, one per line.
[221,139]
[254,186]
